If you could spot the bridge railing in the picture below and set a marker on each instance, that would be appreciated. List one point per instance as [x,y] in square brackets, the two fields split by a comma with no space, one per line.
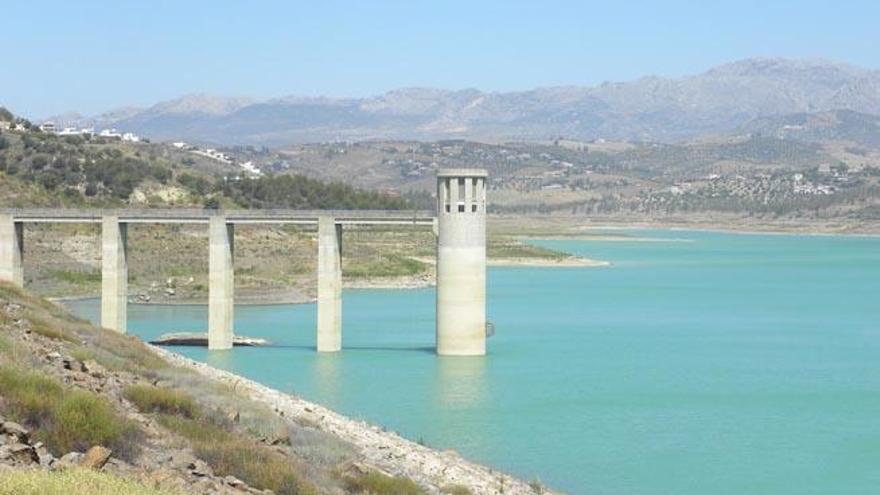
[192,214]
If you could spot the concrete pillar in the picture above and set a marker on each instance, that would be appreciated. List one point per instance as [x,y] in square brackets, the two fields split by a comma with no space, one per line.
[114,274]
[11,250]
[329,285]
[461,262]
[221,283]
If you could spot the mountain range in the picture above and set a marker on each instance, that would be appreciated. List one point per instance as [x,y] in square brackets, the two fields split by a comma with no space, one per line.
[747,94]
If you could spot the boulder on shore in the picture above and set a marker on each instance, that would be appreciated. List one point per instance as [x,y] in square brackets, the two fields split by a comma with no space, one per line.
[201,339]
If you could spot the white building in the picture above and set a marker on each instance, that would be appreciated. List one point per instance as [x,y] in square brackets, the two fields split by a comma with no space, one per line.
[110,133]
[48,127]
[250,168]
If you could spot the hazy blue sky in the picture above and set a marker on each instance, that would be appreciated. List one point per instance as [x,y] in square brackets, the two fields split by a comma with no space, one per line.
[91,56]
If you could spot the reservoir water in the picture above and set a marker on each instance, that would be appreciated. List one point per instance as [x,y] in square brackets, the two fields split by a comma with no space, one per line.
[698,363]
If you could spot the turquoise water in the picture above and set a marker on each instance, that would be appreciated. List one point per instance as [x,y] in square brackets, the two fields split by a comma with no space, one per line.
[711,364]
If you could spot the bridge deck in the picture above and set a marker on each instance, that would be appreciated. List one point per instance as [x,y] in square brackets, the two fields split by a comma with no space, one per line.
[350,217]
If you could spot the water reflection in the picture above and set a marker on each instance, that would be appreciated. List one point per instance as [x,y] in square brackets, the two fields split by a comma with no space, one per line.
[219,359]
[460,382]
[326,371]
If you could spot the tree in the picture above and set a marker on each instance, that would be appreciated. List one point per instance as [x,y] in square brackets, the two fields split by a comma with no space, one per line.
[211,203]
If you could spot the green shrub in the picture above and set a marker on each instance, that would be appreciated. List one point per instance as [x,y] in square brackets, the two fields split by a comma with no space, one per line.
[389,265]
[70,481]
[77,277]
[66,420]
[375,483]
[82,420]
[456,490]
[123,352]
[536,486]
[31,398]
[152,399]
[229,453]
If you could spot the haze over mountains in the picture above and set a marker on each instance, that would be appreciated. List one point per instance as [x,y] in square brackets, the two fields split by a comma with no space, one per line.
[749,94]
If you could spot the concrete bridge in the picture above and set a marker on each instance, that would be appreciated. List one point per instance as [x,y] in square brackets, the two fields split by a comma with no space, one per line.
[459,224]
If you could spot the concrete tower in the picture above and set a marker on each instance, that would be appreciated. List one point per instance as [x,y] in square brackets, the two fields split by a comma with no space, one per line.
[461,262]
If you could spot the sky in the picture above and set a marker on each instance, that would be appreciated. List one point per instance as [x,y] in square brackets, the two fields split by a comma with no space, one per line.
[92,56]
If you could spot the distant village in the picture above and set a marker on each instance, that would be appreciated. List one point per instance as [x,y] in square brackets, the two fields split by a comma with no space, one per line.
[210,153]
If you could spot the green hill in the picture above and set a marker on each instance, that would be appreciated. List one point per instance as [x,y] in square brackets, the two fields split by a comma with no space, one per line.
[42,169]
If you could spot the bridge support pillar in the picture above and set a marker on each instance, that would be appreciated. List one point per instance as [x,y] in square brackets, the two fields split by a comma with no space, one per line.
[461,262]
[329,285]
[221,283]
[114,274]
[11,250]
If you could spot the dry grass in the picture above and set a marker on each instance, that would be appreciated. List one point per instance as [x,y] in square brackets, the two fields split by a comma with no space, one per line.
[73,481]
[111,349]
[6,345]
[49,326]
[456,490]
[375,483]
[229,453]
[152,399]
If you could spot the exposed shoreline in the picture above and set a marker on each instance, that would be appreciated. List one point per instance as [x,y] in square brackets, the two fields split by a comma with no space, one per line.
[386,450]
[419,281]
[538,226]
[735,228]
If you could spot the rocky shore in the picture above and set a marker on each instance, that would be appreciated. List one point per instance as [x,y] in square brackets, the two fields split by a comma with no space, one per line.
[38,338]
[387,450]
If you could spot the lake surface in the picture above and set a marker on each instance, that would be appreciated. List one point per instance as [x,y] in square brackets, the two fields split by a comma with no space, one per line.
[701,363]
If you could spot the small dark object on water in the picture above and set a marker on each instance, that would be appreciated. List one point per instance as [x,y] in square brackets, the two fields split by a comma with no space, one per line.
[201,340]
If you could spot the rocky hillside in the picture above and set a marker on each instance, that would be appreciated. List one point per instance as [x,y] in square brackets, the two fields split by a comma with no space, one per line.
[648,109]
[86,410]
[858,128]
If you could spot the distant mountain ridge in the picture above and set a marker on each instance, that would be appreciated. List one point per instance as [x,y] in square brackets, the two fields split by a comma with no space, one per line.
[844,125]
[720,100]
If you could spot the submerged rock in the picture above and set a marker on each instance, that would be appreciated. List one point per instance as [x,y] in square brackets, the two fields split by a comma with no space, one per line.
[201,339]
